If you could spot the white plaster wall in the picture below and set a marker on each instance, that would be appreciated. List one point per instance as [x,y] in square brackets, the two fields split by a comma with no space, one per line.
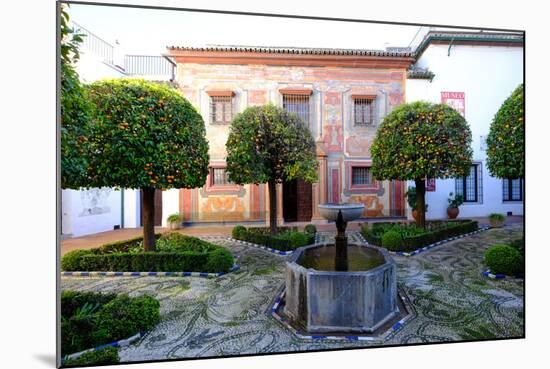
[73,221]
[487,76]
[132,208]
[90,211]
[170,204]
[66,203]
[91,68]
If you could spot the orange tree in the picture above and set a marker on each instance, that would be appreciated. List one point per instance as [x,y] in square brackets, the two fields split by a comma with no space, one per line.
[76,109]
[145,136]
[506,139]
[268,144]
[421,140]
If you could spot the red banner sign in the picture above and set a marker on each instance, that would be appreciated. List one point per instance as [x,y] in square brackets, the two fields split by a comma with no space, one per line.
[455,100]
[430,184]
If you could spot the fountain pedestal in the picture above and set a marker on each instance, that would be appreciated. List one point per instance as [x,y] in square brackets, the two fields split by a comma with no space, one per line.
[339,300]
[341,243]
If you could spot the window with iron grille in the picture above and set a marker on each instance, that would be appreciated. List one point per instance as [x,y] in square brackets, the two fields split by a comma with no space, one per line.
[219,177]
[512,189]
[360,176]
[221,109]
[298,104]
[363,111]
[471,186]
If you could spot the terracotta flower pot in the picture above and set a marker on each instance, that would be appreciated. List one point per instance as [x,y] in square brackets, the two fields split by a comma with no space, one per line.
[452,213]
[174,225]
[414,214]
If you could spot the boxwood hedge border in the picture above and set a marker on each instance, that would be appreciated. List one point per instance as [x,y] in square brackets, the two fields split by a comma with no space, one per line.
[313,239]
[431,245]
[107,256]
[274,251]
[120,343]
[148,274]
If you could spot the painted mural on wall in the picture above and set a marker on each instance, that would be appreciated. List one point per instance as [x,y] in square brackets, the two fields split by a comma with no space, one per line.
[257,97]
[373,205]
[223,208]
[332,126]
[358,146]
[95,201]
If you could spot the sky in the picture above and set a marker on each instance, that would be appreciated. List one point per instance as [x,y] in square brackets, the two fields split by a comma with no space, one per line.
[148,32]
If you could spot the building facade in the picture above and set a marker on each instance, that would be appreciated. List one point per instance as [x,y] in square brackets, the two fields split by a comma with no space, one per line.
[474,72]
[342,95]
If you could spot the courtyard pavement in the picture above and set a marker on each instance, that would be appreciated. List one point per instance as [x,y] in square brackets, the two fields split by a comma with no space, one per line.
[230,315]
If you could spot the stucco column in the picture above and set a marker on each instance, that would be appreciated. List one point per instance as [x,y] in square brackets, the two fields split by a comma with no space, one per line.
[320,188]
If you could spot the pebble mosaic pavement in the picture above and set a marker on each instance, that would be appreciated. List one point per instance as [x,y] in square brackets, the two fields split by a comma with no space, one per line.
[230,315]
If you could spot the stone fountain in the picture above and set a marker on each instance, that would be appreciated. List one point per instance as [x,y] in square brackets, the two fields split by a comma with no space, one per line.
[340,287]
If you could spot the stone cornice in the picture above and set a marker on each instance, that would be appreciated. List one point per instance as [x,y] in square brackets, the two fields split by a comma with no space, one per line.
[288,59]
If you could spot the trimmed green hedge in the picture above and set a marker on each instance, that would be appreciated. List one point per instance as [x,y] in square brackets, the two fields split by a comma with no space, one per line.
[413,238]
[286,239]
[125,316]
[105,356]
[90,319]
[175,253]
[124,245]
[504,259]
[238,231]
[310,228]
[71,301]
[391,240]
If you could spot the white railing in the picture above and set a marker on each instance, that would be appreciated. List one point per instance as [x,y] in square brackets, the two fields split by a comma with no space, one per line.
[148,65]
[95,44]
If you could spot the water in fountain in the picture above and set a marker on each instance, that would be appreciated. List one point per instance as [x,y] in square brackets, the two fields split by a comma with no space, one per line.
[360,258]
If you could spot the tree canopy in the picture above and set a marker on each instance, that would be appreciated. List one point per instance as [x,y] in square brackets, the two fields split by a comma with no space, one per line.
[145,134]
[76,109]
[422,140]
[506,139]
[268,143]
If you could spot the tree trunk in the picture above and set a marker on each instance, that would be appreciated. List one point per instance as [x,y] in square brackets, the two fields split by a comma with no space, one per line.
[148,216]
[420,184]
[272,206]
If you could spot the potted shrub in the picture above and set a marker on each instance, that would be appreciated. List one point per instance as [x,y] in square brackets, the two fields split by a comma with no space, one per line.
[174,221]
[496,220]
[411,200]
[454,202]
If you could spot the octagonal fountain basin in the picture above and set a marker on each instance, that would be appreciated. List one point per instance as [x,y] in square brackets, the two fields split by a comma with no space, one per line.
[322,300]
[349,211]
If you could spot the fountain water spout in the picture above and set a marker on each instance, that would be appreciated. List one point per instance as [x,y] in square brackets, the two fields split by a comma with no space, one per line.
[342,214]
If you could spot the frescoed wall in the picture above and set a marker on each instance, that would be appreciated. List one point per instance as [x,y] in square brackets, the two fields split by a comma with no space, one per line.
[255,79]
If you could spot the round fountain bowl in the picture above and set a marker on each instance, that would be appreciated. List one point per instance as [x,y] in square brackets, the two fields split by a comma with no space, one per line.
[329,301]
[349,211]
